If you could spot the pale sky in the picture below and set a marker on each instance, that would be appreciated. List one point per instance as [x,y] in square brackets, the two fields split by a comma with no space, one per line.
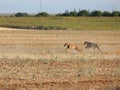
[57,6]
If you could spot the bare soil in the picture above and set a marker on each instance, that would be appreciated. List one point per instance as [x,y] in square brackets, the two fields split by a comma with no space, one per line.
[36,60]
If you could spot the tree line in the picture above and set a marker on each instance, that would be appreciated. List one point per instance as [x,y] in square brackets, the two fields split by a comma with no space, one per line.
[74,13]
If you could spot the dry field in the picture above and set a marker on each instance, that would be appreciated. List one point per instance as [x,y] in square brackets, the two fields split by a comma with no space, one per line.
[36,60]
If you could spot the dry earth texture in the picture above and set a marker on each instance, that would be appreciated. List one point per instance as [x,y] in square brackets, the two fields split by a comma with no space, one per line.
[36,60]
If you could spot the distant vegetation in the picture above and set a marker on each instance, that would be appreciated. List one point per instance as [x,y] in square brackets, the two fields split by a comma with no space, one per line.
[75,13]
[72,20]
[96,13]
[21,14]
[44,14]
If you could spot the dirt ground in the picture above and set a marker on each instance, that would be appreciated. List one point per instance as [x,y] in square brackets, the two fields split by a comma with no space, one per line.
[36,60]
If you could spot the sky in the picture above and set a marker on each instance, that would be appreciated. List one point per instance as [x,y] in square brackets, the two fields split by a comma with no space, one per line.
[57,6]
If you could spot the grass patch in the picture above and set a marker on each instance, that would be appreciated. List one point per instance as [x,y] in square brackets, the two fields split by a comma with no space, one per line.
[58,23]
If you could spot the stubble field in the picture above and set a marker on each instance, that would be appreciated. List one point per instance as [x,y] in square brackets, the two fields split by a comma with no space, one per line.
[36,60]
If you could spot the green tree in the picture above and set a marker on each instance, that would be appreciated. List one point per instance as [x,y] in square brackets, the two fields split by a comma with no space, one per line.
[106,13]
[21,14]
[66,13]
[96,13]
[44,14]
[115,13]
[83,13]
[73,13]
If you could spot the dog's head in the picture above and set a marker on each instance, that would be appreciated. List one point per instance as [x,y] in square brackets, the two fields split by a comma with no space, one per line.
[85,42]
[66,44]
